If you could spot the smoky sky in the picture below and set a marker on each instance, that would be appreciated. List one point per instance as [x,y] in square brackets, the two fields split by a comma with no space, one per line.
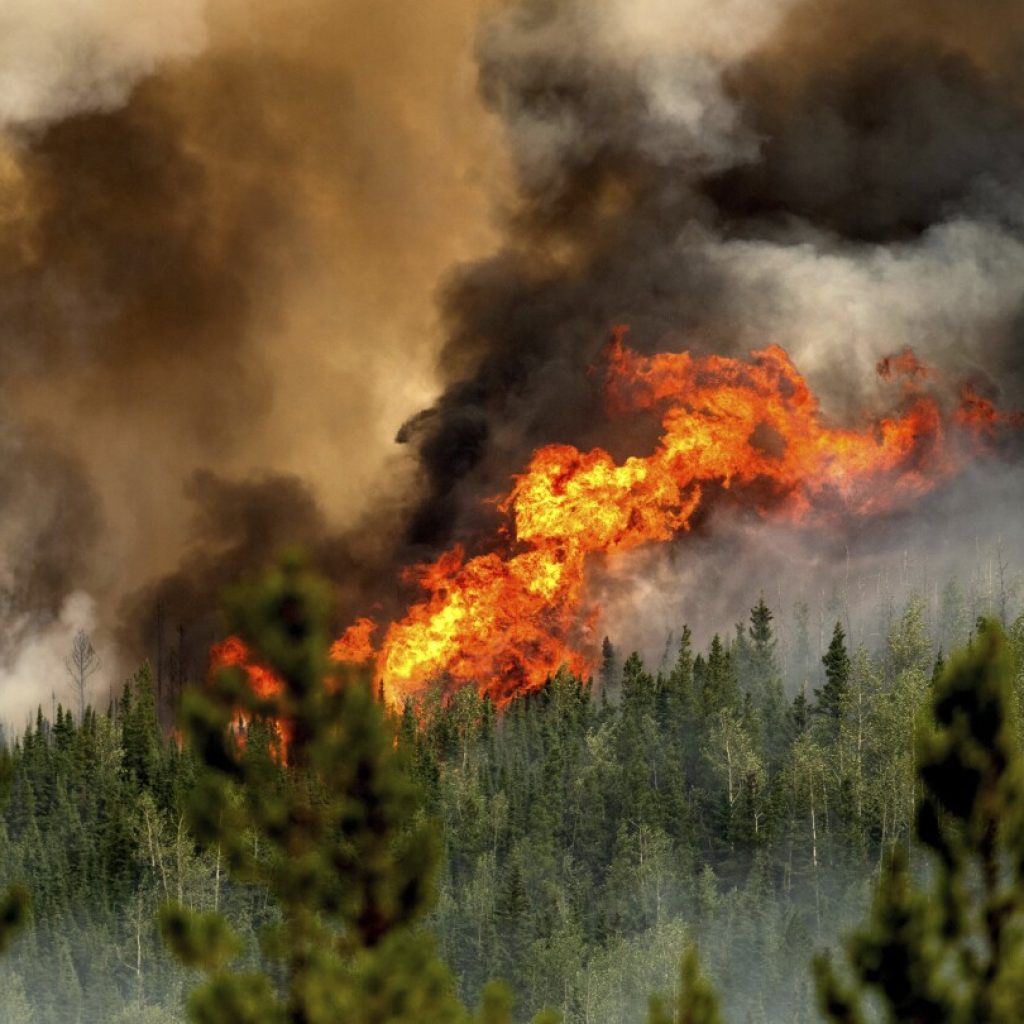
[851,149]
[236,270]
[220,229]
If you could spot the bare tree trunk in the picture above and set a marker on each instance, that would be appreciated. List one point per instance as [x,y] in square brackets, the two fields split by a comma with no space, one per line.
[81,664]
[216,882]
[814,862]
[155,856]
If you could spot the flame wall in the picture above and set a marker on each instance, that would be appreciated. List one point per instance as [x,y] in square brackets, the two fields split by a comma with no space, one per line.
[224,234]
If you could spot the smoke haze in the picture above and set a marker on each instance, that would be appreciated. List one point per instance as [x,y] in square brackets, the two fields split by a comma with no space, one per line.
[247,244]
[222,230]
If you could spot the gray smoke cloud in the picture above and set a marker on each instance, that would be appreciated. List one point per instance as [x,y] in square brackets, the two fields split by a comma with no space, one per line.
[58,59]
[224,229]
[841,185]
[836,178]
[222,224]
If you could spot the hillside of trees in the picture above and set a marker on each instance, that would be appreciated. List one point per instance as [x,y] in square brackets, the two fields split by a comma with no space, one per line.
[588,833]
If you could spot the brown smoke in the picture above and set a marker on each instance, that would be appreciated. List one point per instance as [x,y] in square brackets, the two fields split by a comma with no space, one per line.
[231,266]
[218,279]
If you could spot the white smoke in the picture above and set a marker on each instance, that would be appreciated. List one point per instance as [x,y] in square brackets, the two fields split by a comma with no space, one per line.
[726,30]
[674,53]
[62,57]
[35,673]
[943,294]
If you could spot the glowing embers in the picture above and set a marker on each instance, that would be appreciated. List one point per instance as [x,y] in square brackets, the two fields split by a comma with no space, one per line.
[262,682]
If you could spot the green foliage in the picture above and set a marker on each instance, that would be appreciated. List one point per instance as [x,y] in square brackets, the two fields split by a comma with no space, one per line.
[347,859]
[833,697]
[240,997]
[949,947]
[13,914]
[697,1002]
[495,1004]
[588,834]
[14,902]
[199,940]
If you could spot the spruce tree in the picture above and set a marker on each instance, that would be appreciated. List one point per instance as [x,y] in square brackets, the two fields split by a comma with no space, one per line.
[348,860]
[832,698]
[948,945]
[799,715]
[608,675]
[765,677]
[140,730]
[719,684]
[13,902]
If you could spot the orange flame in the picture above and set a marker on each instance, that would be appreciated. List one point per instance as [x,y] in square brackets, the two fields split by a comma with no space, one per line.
[233,653]
[354,646]
[264,683]
[506,620]
[980,416]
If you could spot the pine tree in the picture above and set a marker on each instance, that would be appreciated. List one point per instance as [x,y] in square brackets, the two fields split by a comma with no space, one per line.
[719,690]
[350,864]
[140,730]
[948,946]
[832,698]
[681,702]
[13,902]
[765,678]
[609,672]
[799,714]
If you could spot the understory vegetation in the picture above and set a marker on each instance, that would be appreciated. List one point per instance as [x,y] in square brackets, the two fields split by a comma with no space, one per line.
[744,799]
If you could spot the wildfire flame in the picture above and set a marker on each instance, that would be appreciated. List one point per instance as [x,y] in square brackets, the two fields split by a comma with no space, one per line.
[233,653]
[355,645]
[506,620]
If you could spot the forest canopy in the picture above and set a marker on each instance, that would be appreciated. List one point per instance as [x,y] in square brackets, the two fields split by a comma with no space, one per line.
[318,854]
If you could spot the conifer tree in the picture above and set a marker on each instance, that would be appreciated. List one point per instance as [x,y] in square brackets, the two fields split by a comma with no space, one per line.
[679,684]
[608,675]
[350,863]
[949,947]
[13,902]
[719,684]
[799,714]
[766,679]
[832,698]
[140,730]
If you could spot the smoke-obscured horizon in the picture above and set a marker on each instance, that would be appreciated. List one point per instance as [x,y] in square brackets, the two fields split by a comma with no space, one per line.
[222,228]
[246,246]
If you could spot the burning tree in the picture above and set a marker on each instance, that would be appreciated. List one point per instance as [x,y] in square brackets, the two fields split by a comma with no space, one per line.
[348,859]
[752,430]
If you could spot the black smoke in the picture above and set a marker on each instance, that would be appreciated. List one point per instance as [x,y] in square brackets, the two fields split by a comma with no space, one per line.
[844,149]
[688,194]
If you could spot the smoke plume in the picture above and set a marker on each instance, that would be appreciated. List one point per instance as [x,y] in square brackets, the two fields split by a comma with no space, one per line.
[58,60]
[242,252]
[846,186]
[221,228]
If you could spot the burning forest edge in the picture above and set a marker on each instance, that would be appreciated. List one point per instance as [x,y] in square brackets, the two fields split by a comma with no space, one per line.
[594,649]
[591,832]
[750,433]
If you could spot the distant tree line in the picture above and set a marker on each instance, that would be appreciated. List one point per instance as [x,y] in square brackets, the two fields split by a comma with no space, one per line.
[588,835]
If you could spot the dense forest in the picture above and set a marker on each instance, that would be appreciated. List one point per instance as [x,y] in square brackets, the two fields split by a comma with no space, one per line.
[744,796]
